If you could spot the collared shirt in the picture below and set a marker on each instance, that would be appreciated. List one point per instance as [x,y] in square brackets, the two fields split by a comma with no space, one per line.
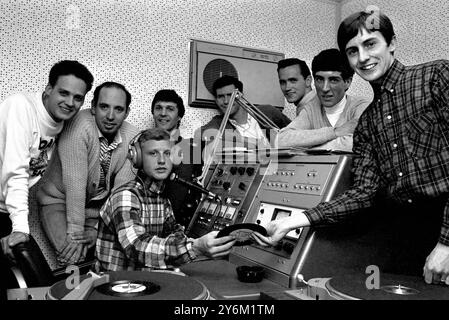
[137,231]
[401,143]
[305,100]
[106,149]
[251,130]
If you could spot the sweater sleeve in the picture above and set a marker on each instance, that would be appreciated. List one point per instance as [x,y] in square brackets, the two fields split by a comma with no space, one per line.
[299,133]
[73,152]
[18,132]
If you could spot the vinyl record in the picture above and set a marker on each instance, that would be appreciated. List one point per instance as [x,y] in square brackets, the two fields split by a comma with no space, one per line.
[146,285]
[131,288]
[242,232]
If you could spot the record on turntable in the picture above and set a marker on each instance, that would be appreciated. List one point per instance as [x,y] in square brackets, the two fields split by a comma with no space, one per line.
[137,285]
[392,287]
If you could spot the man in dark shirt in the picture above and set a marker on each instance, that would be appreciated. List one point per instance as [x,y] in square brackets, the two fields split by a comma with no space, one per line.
[168,110]
[401,148]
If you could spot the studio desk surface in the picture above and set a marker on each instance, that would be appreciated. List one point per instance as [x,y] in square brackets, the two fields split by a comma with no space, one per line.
[220,278]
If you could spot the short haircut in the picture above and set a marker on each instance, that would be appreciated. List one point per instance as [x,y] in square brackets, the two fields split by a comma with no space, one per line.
[70,67]
[168,95]
[371,21]
[157,134]
[332,60]
[110,84]
[226,81]
[305,71]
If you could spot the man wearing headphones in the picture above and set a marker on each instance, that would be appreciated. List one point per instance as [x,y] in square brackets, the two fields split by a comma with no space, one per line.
[90,161]
[137,229]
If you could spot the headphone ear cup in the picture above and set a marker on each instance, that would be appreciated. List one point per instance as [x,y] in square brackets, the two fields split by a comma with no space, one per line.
[135,154]
[135,151]
[138,155]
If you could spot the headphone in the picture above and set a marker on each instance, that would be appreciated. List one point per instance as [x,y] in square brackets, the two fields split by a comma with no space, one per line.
[135,151]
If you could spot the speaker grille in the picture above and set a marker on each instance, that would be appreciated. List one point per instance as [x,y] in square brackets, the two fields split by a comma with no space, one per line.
[215,69]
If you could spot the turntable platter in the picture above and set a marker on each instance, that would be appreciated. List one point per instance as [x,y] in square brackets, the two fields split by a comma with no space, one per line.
[392,287]
[140,285]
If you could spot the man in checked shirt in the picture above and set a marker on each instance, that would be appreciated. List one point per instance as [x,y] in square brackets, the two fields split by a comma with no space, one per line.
[401,153]
[137,229]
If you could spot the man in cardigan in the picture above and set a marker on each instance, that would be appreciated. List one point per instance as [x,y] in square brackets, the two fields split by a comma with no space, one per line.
[91,161]
[329,121]
[241,127]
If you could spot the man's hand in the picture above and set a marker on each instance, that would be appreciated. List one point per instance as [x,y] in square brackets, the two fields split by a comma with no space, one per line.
[346,129]
[211,246]
[11,240]
[71,252]
[87,237]
[277,229]
[436,269]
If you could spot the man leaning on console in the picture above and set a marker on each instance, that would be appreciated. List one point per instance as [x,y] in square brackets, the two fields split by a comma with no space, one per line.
[105,194]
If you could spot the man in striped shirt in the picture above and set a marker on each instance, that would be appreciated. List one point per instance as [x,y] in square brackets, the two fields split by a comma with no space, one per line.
[401,150]
[137,229]
[91,160]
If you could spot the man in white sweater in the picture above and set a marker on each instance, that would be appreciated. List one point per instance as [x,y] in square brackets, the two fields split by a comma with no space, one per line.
[90,161]
[29,125]
[329,121]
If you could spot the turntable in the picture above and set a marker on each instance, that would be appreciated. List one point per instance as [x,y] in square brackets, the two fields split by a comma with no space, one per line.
[354,287]
[135,285]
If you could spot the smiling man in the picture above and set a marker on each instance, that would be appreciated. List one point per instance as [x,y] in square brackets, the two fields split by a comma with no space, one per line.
[329,121]
[242,129]
[91,160]
[401,148]
[168,110]
[137,229]
[295,81]
[29,125]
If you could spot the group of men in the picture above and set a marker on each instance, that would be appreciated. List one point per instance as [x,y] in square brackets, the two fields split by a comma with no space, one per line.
[91,196]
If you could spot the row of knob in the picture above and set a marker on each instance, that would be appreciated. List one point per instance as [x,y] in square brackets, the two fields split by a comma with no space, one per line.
[234,170]
[227,185]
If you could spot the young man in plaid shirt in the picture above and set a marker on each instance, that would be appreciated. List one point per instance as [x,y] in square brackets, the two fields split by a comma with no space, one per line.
[401,151]
[137,229]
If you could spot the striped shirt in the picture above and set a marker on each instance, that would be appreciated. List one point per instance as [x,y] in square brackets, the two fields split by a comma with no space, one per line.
[106,149]
[401,144]
[137,231]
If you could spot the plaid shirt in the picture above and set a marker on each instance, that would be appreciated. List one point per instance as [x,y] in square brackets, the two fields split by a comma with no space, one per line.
[400,144]
[137,231]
